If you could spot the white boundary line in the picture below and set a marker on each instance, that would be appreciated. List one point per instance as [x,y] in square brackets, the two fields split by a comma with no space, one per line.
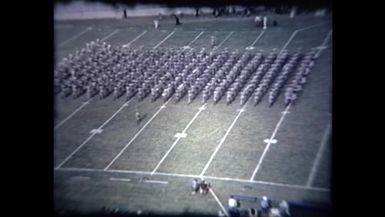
[168,36]
[177,140]
[191,42]
[74,37]
[219,202]
[255,41]
[193,176]
[111,34]
[136,135]
[137,37]
[176,175]
[72,114]
[92,135]
[227,37]
[269,143]
[318,156]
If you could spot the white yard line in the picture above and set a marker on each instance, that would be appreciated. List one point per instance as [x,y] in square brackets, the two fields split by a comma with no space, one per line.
[269,143]
[295,32]
[72,114]
[76,150]
[92,134]
[136,135]
[193,176]
[326,40]
[255,41]
[195,116]
[133,40]
[74,37]
[168,36]
[318,156]
[165,155]
[116,113]
[223,138]
[111,34]
[220,144]
[177,140]
[287,108]
[219,202]
[227,37]
[191,42]
[312,26]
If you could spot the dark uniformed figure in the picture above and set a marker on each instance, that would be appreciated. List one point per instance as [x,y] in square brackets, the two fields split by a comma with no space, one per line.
[204,187]
[176,19]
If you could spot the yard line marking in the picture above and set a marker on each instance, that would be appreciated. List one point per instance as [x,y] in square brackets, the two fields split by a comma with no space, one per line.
[318,156]
[74,37]
[76,150]
[71,169]
[157,182]
[165,155]
[270,141]
[255,41]
[133,40]
[136,135]
[117,112]
[219,202]
[120,179]
[178,138]
[287,108]
[326,40]
[93,134]
[168,36]
[193,119]
[220,144]
[191,42]
[111,34]
[312,26]
[295,32]
[72,114]
[224,138]
[228,36]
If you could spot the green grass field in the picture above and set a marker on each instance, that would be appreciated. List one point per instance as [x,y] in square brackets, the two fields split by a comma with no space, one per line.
[221,142]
